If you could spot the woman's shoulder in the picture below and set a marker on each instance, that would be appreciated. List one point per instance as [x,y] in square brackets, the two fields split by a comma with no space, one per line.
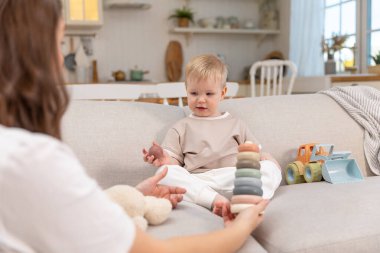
[17,140]
[39,161]
[33,153]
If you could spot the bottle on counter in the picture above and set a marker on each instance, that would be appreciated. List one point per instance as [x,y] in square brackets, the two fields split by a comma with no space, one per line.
[95,78]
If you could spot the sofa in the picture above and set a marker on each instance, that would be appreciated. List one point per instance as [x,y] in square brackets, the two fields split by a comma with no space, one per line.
[108,136]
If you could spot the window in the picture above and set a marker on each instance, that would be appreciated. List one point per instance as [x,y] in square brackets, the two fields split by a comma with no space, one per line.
[373,30]
[340,20]
[83,10]
[360,21]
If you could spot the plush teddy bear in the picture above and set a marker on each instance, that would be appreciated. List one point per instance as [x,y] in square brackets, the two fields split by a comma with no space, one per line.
[142,209]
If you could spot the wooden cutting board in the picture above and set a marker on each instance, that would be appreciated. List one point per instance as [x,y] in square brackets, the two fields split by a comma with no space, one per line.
[174,61]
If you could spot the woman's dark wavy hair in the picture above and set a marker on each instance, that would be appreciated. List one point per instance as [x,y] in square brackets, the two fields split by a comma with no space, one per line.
[32,91]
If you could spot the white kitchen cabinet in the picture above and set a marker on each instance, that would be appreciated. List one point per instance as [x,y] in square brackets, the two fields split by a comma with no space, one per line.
[82,16]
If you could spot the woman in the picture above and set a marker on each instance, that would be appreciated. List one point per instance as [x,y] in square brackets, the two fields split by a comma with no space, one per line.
[47,202]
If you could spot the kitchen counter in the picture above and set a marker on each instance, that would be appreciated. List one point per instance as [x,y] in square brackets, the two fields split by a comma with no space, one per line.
[355,78]
[313,84]
[359,79]
[148,88]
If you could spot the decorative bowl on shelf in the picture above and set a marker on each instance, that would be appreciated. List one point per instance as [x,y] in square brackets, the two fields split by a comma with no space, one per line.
[206,22]
[119,75]
[249,24]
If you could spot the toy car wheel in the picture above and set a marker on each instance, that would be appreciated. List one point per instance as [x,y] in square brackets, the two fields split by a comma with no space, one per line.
[292,174]
[313,172]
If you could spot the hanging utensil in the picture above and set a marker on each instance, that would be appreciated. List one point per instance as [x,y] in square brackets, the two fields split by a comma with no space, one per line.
[70,63]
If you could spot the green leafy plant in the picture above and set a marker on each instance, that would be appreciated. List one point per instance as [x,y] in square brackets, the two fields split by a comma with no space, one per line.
[184,12]
[376,58]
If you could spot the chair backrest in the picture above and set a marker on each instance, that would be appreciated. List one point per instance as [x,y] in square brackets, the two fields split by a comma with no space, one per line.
[104,91]
[271,77]
[232,89]
[172,90]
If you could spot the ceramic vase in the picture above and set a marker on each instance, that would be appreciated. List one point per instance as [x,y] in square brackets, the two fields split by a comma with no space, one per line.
[330,67]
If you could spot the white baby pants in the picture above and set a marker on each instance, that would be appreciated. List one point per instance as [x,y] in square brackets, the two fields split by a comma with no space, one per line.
[201,188]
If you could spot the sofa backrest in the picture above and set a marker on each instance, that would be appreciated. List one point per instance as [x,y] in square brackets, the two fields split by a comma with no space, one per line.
[283,123]
[108,137]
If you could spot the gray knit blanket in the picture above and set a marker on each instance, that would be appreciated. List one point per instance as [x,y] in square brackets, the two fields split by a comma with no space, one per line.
[362,103]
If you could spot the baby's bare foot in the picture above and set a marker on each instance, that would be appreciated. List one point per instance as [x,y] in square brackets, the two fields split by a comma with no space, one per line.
[220,205]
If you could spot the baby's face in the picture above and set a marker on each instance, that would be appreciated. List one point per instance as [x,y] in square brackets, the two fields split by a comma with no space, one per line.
[203,97]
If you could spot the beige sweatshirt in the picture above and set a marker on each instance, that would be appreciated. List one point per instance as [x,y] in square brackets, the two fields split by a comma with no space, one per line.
[204,143]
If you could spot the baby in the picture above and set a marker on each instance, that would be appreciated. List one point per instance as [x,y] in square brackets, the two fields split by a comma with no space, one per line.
[200,150]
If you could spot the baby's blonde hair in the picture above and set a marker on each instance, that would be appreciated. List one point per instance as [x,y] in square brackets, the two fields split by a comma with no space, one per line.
[205,67]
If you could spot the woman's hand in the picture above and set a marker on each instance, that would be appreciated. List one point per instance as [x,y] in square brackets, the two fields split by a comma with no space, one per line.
[250,217]
[150,187]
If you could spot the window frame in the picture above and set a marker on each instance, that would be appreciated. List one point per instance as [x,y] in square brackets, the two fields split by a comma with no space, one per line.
[363,33]
[368,31]
[357,30]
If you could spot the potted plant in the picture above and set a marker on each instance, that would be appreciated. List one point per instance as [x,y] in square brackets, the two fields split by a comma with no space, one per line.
[331,46]
[335,44]
[184,16]
[375,69]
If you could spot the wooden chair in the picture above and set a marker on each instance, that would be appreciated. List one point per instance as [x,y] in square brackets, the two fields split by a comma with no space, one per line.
[272,77]
[232,89]
[104,91]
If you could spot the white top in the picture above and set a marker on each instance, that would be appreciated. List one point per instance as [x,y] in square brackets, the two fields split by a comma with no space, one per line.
[49,204]
[204,143]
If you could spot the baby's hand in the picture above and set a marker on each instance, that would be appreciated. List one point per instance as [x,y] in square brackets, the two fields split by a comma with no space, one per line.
[221,207]
[155,155]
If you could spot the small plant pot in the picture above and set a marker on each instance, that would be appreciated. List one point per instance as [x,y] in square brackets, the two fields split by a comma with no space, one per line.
[183,22]
[374,69]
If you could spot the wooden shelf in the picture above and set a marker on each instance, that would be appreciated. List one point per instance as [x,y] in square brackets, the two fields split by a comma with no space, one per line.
[223,31]
[117,4]
[130,6]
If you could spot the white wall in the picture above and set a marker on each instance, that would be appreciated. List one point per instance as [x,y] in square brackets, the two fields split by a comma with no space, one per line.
[282,41]
[140,37]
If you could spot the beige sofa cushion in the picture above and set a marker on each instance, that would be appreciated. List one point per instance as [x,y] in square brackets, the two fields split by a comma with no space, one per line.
[318,217]
[322,217]
[283,123]
[108,137]
[190,219]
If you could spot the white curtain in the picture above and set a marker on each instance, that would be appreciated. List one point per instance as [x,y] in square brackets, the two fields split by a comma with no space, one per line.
[306,30]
